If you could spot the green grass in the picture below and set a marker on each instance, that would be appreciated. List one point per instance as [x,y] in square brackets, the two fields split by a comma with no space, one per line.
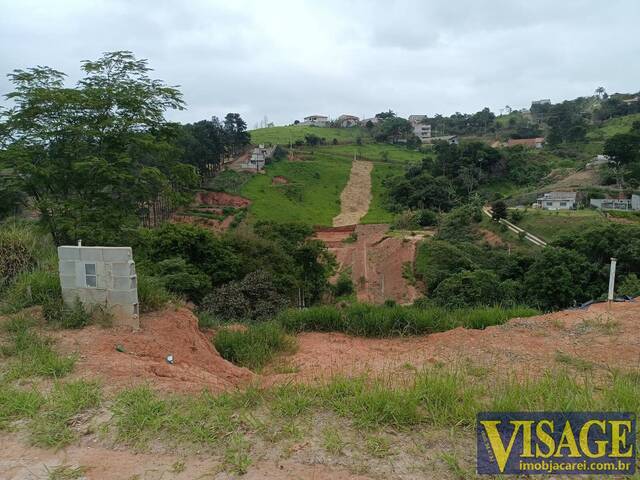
[612,127]
[375,152]
[228,181]
[51,427]
[312,195]
[549,225]
[378,213]
[30,354]
[383,321]
[254,346]
[16,403]
[284,135]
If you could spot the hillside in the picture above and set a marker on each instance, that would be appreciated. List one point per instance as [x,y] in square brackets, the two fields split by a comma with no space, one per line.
[293,133]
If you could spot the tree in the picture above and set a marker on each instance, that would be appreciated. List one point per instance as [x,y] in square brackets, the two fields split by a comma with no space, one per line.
[384,115]
[204,145]
[93,156]
[499,210]
[623,149]
[236,131]
[312,139]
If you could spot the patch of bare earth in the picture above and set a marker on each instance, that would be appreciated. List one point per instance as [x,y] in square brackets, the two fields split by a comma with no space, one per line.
[197,365]
[376,260]
[212,202]
[605,339]
[356,196]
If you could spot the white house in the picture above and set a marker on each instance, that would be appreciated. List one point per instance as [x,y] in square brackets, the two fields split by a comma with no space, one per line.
[420,129]
[597,161]
[557,201]
[450,139]
[632,203]
[101,276]
[317,120]
[346,121]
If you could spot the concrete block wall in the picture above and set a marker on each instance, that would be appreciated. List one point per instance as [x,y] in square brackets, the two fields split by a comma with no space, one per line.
[101,276]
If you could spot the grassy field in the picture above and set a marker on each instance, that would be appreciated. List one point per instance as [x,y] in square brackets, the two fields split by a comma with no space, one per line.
[312,195]
[550,225]
[375,152]
[612,127]
[377,212]
[284,135]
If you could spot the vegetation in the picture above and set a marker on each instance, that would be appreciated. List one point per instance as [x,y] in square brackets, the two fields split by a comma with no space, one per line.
[294,133]
[253,346]
[311,196]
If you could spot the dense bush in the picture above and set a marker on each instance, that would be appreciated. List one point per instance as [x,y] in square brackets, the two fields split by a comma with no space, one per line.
[254,346]
[255,297]
[57,314]
[437,259]
[479,287]
[152,294]
[32,288]
[181,278]
[630,285]
[459,223]
[22,248]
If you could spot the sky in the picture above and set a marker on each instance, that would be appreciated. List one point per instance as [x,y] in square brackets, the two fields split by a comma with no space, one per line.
[289,59]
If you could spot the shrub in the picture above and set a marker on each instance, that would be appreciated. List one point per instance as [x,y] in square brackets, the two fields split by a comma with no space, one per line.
[255,297]
[152,294]
[480,287]
[316,319]
[437,259]
[17,252]
[253,347]
[32,288]
[182,278]
[426,218]
[405,221]
[344,285]
[516,215]
[64,316]
[630,286]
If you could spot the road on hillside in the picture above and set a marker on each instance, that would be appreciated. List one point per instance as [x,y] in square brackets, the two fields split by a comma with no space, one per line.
[356,196]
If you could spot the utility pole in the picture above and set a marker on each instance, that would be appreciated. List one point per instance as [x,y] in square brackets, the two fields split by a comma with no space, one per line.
[612,279]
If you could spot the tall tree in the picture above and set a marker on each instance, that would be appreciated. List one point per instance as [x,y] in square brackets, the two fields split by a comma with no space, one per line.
[93,155]
[236,130]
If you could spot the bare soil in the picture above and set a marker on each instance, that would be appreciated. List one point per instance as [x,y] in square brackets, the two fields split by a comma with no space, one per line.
[197,364]
[356,196]
[221,199]
[605,339]
[279,180]
[376,261]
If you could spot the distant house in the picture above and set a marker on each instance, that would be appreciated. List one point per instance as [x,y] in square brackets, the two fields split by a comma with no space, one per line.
[317,120]
[544,101]
[537,142]
[631,100]
[346,121]
[632,203]
[420,129]
[557,201]
[450,139]
[258,158]
[373,120]
[597,161]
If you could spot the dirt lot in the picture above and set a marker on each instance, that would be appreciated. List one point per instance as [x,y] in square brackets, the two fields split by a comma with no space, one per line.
[601,339]
[356,196]
[376,260]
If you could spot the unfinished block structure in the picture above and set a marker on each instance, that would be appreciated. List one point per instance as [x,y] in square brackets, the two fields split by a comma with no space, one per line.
[101,276]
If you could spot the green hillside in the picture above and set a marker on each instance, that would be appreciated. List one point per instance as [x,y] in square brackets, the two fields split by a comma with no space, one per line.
[285,135]
[612,127]
[311,196]
[376,152]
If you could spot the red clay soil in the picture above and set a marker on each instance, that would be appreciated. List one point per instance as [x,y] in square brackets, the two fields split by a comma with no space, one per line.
[197,364]
[279,180]
[376,261]
[523,347]
[221,199]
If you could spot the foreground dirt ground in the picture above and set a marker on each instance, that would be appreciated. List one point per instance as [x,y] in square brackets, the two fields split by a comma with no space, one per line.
[598,338]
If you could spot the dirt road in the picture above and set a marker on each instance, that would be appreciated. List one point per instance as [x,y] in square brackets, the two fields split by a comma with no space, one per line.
[356,196]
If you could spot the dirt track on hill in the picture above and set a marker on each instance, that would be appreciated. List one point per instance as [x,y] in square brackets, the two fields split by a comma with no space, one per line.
[356,196]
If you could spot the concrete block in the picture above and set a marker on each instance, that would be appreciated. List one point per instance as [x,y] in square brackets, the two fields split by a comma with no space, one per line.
[67,267]
[128,297]
[69,296]
[124,283]
[116,254]
[123,269]
[68,253]
[68,281]
[91,254]
[94,296]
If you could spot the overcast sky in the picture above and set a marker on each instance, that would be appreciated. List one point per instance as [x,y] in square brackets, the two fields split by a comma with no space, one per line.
[288,59]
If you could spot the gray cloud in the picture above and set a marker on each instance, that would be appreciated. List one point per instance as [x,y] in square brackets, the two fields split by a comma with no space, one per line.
[286,59]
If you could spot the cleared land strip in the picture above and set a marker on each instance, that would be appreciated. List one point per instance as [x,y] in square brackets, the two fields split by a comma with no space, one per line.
[515,229]
[356,196]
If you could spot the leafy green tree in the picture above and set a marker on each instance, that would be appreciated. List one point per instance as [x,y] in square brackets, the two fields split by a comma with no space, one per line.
[499,210]
[204,145]
[437,259]
[623,149]
[235,129]
[469,288]
[92,157]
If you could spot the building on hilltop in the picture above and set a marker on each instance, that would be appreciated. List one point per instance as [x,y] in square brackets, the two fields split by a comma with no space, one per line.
[537,142]
[557,201]
[544,101]
[316,120]
[347,121]
[632,203]
[420,129]
[450,139]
